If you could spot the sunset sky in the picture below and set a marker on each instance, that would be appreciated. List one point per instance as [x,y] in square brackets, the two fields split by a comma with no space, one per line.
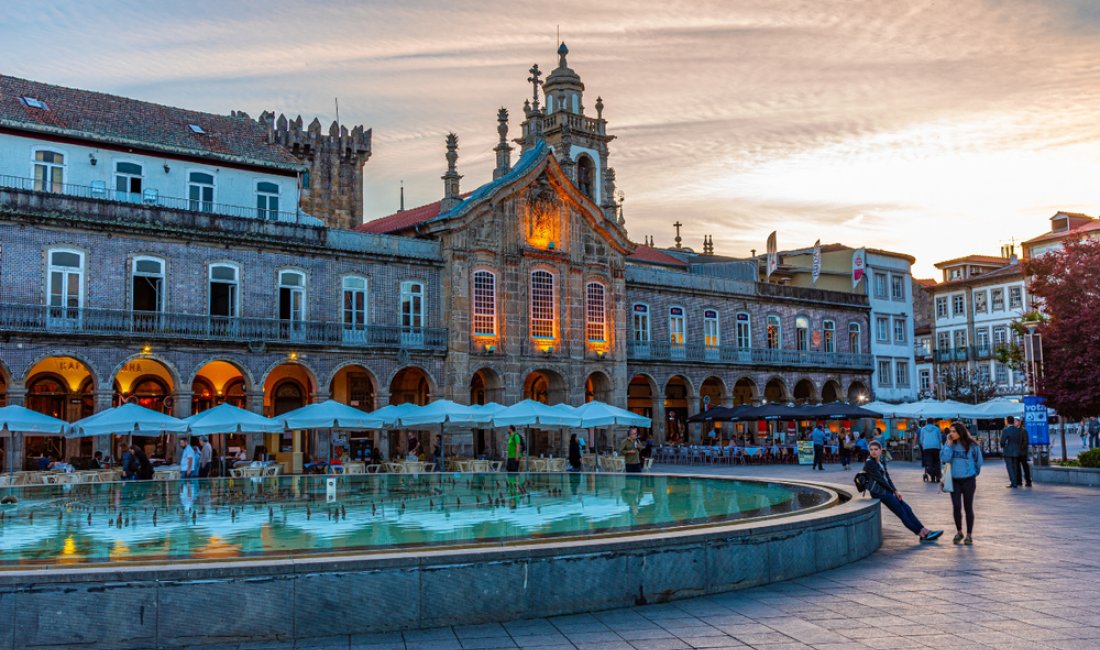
[932,128]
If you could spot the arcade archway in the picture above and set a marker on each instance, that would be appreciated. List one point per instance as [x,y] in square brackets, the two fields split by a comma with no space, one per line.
[639,396]
[858,393]
[288,386]
[410,385]
[486,386]
[218,382]
[804,392]
[544,386]
[775,391]
[830,392]
[597,387]
[62,387]
[744,391]
[678,397]
[712,394]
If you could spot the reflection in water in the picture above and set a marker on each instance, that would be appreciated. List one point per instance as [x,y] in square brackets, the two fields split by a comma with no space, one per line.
[224,518]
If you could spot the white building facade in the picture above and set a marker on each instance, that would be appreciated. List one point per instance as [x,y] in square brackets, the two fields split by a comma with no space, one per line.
[889,287]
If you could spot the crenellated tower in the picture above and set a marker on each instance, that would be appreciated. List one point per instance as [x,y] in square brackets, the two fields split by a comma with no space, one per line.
[579,141]
[333,191]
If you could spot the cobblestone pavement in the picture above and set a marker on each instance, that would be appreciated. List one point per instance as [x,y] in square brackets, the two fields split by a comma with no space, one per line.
[1031,580]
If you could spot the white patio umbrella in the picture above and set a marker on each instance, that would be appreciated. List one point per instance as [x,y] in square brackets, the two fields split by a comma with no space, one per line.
[529,413]
[600,414]
[18,419]
[389,414]
[330,414]
[226,418]
[127,419]
[442,412]
[998,407]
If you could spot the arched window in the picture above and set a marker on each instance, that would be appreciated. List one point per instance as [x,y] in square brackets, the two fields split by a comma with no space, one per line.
[586,176]
[65,285]
[485,303]
[595,325]
[542,304]
[355,303]
[292,296]
[775,333]
[128,181]
[49,171]
[267,201]
[744,330]
[855,344]
[828,336]
[147,284]
[200,191]
[802,333]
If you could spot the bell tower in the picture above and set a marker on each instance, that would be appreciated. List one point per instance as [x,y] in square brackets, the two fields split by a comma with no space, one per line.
[578,141]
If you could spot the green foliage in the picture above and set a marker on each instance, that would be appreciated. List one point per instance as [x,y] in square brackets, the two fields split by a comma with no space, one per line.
[1067,463]
[1090,458]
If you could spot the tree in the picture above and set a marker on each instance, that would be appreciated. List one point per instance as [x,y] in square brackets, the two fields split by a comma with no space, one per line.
[1066,287]
[963,384]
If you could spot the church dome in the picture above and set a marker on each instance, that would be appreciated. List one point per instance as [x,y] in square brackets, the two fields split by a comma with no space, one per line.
[563,76]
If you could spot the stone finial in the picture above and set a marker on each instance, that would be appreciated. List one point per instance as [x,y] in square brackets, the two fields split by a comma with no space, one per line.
[677,226]
[599,108]
[451,192]
[535,82]
[708,245]
[503,149]
[334,130]
[562,52]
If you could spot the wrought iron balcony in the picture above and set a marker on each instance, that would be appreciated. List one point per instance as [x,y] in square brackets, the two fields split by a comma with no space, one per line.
[728,354]
[41,319]
[946,355]
[149,197]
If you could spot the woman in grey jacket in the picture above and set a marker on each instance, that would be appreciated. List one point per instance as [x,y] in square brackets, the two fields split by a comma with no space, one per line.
[965,456]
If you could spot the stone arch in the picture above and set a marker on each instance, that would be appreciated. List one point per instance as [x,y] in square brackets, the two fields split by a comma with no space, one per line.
[411,384]
[240,365]
[745,391]
[545,385]
[486,385]
[354,384]
[776,390]
[304,367]
[858,392]
[830,391]
[641,394]
[598,386]
[93,370]
[678,395]
[217,381]
[173,372]
[804,391]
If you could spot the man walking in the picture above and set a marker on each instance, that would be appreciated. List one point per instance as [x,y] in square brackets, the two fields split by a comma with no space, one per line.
[818,438]
[206,457]
[930,443]
[1023,469]
[515,445]
[188,460]
[1094,433]
[1011,447]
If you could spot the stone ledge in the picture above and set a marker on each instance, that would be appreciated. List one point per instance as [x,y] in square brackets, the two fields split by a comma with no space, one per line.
[1087,476]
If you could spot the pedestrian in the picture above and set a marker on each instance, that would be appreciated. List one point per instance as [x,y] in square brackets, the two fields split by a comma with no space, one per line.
[127,464]
[861,447]
[412,448]
[206,457]
[632,457]
[883,489]
[1012,445]
[818,438]
[1023,467]
[930,442]
[144,467]
[1094,432]
[844,444]
[188,460]
[437,453]
[515,446]
[574,453]
[965,455]
[1083,431]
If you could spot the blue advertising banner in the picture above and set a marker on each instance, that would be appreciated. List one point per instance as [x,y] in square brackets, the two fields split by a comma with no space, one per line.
[1035,420]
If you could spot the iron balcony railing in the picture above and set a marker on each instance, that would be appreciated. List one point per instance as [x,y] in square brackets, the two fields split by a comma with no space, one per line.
[149,197]
[728,354]
[944,355]
[174,326]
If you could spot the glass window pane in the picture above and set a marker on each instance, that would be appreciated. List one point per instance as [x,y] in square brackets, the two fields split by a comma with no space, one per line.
[62,258]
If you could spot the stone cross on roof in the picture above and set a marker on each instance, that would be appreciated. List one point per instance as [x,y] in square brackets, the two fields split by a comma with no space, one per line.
[677,226]
[535,82]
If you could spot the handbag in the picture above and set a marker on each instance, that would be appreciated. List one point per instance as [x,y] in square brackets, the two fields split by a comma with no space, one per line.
[947,485]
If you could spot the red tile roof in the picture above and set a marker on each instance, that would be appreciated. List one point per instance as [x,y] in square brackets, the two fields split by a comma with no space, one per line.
[650,255]
[925,282]
[1051,236]
[975,259]
[403,219]
[100,117]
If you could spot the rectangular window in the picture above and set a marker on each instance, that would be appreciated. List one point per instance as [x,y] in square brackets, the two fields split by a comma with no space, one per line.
[49,171]
[292,296]
[1015,297]
[880,285]
[485,303]
[595,313]
[223,290]
[884,373]
[998,299]
[128,182]
[1001,373]
[775,334]
[1000,335]
[200,191]
[355,303]
[900,333]
[412,313]
[981,340]
[744,331]
[926,381]
[828,336]
[676,326]
[984,376]
[711,331]
[901,374]
[855,342]
[941,307]
[542,305]
[897,287]
[981,301]
[960,339]
[882,329]
[958,305]
[146,289]
[267,201]
[66,285]
[943,340]
[640,324]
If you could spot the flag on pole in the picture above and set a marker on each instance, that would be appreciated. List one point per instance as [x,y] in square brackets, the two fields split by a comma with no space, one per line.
[816,272]
[773,255]
[858,262]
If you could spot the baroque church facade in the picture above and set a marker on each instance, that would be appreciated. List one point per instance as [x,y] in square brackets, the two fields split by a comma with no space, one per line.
[181,259]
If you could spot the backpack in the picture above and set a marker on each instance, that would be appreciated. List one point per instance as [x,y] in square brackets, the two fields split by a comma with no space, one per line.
[861,481]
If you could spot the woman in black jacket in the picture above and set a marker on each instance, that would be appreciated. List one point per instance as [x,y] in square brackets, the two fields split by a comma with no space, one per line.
[883,489]
[574,453]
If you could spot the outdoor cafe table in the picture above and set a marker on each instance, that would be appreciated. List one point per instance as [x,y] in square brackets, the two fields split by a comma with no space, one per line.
[613,463]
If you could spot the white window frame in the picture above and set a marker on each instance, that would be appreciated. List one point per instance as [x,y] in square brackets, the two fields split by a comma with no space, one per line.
[993,299]
[882,329]
[542,304]
[356,316]
[857,330]
[802,333]
[412,305]
[942,307]
[128,177]
[235,303]
[828,335]
[264,198]
[640,324]
[483,302]
[743,324]
[885,379]
[595,312]
[901,335]
[773,324]
[162,276]
[925,380]
[712,329]
[901,373]
[943,341]
[897,282]
[1015,297]
[201,204]
[50,170]
[298,313]
[882,287]
[63,311]
[958,305]
[677,326]
[981,301]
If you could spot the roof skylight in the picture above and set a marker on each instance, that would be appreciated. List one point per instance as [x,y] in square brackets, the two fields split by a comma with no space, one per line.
[34,103]
[195,128]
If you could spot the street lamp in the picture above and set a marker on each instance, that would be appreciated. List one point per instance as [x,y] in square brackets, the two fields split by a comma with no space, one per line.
[1033,357]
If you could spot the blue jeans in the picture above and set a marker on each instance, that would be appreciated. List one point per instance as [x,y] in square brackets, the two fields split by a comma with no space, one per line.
[902,510]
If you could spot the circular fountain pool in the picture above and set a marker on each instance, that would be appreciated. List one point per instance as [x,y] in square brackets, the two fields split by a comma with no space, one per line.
[114,523]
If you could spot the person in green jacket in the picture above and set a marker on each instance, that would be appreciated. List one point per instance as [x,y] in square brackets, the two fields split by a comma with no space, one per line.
[632,456]
[515,447]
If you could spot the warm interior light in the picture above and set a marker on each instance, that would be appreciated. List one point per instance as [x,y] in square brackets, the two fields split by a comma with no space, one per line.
[146,349]
[292,356]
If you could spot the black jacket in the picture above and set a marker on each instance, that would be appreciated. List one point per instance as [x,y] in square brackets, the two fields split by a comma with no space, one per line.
[878,478]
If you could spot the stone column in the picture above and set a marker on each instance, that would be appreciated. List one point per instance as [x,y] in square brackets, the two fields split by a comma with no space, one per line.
[182,403]
[14,446]
[99,443]
[382,398]
[660,421]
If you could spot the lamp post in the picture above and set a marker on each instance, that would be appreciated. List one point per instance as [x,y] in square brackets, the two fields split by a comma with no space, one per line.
[1033,357]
